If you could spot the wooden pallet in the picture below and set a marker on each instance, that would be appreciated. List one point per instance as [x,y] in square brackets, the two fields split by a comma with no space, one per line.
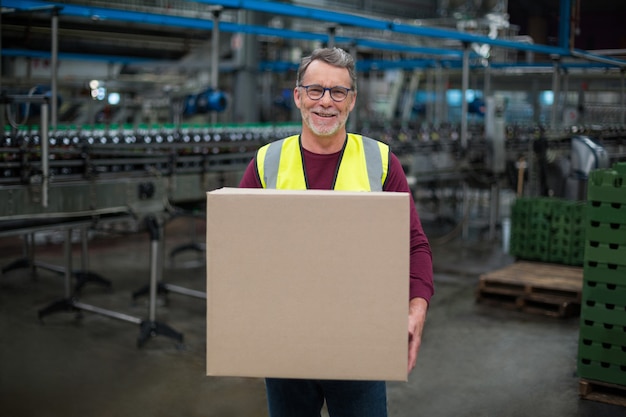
[602,392]
[534,287]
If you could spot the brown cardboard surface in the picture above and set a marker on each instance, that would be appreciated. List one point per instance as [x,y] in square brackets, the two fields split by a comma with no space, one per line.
[307,284]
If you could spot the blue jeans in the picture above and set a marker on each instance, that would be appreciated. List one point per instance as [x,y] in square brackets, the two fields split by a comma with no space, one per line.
[305,398]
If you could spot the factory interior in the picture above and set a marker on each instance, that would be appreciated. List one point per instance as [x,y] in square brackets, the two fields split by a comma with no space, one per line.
[509,118]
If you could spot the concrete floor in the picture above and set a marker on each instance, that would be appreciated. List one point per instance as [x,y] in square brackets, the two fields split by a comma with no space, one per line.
[475,361]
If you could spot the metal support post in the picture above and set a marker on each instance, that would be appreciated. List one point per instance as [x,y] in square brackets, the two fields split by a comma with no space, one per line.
[45,143]
[215,56]
[466,52]
[623,97]
[494,210]
[466,210]
[556,91]
[332,32]
[54,70]
[151,327]
[2,104]
[353,121]
[84,275]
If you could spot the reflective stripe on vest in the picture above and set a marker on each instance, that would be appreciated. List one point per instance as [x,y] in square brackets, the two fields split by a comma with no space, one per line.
[363,166]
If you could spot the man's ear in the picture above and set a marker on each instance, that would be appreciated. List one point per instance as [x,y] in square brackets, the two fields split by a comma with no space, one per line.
[296,96]
[353,101]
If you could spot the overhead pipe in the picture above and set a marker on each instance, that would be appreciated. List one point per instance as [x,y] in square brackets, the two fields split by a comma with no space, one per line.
[347,19]
[376,24]
[281,9]
[304,13]
[565,23]
[596,58]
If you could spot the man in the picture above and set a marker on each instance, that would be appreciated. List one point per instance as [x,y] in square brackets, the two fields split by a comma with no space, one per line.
[325,156]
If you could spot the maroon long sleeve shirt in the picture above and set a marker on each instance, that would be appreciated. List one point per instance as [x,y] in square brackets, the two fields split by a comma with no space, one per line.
[320,173]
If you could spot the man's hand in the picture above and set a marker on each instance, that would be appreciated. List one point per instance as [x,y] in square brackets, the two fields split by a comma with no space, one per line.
[417,317]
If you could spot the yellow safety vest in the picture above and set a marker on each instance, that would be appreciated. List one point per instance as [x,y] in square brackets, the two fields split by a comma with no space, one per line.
[363,165]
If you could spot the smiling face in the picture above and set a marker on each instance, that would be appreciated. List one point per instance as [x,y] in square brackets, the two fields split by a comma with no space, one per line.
[324,120]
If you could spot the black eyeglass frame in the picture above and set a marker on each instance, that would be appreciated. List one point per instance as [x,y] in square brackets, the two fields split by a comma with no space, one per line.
[329,89]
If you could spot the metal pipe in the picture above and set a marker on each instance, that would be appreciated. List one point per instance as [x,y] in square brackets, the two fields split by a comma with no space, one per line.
[45,169]
[564,94]
[596,58]
[466,209]
[487,86]
[50,267]
[155,230]
[215,57]
[2,121]
[332,32]
[84,260]
[429,91]
[556,91]
[67,251]
[464,88]
[353,121]
[185,291]
[55,65]
[623,97]
[565,22]
[154,264]
[215,44]
[105,312]
[494,210]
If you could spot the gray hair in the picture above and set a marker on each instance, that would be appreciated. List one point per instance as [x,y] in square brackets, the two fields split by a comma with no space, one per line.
[336,57]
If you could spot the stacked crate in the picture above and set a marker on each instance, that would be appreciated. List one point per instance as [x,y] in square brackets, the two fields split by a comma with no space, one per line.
[530,228]
[602,341]
[548,230]
[567,238]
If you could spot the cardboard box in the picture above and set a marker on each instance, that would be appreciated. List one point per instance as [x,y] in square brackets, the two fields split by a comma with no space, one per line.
[307,284]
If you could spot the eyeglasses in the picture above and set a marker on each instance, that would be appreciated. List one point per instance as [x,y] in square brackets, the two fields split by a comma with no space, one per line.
[316,92]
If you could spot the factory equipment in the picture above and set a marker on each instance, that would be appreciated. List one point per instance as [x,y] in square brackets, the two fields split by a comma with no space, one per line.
[89,178]
[209,100]
[587,155]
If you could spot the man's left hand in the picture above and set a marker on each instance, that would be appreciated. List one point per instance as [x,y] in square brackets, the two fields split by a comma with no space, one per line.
[417,316]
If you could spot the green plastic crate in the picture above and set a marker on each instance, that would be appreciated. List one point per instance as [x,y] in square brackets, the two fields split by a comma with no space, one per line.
[606,232]
[603,272]
[602,332]
[612,253]
[597,311]
[603,352]
[606,212]
[601,371]
[606,293]
[607,185]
